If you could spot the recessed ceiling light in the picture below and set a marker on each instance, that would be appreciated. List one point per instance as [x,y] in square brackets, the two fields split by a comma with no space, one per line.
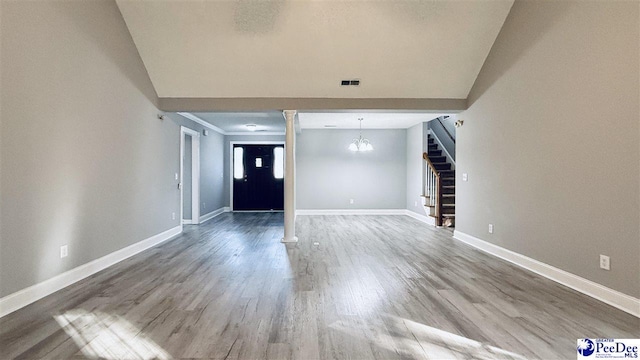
[251,127]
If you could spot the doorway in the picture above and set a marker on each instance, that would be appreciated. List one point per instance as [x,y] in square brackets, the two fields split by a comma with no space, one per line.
[257,176]
[189,176]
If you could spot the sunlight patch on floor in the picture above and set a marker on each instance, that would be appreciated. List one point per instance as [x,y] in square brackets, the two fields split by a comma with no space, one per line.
[410,338]
[104,336]
[463,347]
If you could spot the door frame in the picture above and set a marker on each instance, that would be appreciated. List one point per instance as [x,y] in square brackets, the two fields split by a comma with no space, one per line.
[195,175]
[246,142]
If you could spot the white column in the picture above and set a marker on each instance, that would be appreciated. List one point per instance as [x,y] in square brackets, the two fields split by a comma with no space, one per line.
[289,178]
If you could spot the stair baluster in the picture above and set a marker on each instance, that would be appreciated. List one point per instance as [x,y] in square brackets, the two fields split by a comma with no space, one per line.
[434,189]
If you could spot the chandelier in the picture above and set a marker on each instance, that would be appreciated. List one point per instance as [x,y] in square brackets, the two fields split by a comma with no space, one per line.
[360,144]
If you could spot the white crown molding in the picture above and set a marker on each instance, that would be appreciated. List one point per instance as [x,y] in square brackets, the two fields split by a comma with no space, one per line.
[607,295]
[254,133]
[196,119]
[24,297]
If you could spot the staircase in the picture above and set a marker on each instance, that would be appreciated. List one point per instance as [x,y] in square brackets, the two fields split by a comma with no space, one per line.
[440,186]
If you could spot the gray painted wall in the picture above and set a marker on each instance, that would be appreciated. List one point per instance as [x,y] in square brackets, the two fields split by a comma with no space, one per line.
[212,170]
[85,160]
[328,174]
[227,165]
[551,140]
[187,179]
[450,124]
[415,165]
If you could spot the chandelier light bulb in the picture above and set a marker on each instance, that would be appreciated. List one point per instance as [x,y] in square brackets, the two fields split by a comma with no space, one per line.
[360,144]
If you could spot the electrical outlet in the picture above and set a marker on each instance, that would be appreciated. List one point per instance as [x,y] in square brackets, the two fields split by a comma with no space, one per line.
[350,201]
[204,205]
[415,203]
[176,177]
[173,216]
[605,262]
[490,228]
[465,177]
[64,251]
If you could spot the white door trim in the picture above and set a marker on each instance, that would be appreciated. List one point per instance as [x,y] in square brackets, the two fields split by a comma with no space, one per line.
[195,175]
[245,142]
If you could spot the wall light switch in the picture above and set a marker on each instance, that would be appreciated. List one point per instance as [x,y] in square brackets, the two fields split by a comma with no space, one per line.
[490,228]
[64,251]
[465,177]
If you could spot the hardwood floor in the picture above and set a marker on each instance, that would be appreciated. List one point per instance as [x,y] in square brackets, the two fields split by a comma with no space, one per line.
[373,287]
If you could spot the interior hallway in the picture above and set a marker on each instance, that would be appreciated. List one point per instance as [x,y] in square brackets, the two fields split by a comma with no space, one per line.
[381,287]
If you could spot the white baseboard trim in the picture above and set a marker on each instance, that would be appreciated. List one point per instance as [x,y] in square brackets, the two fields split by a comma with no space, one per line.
[206,217]
[351,212]
[425,219]
[187,222]
[227,209]
[607,295]
[24,297]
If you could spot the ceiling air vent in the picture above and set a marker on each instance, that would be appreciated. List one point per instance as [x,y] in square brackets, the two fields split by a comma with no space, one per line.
[354,82]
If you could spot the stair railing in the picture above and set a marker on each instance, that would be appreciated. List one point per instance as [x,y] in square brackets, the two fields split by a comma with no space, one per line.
[433,189]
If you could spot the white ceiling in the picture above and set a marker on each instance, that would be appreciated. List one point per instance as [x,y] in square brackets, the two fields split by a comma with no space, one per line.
[273,122]
[249,48]
[372,120]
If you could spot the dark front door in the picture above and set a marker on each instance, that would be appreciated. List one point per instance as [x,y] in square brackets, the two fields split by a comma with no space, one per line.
[258,177]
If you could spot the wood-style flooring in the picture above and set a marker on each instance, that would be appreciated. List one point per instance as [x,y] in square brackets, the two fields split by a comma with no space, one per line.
[353,287]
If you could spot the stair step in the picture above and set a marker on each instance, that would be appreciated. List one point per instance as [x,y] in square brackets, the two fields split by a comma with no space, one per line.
[437,158]
[442,166]
[448,181]
[432,146]
[430,140]
[434,152]
[444,215]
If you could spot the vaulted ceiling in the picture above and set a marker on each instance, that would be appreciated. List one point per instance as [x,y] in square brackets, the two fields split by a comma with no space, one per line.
[303,49]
